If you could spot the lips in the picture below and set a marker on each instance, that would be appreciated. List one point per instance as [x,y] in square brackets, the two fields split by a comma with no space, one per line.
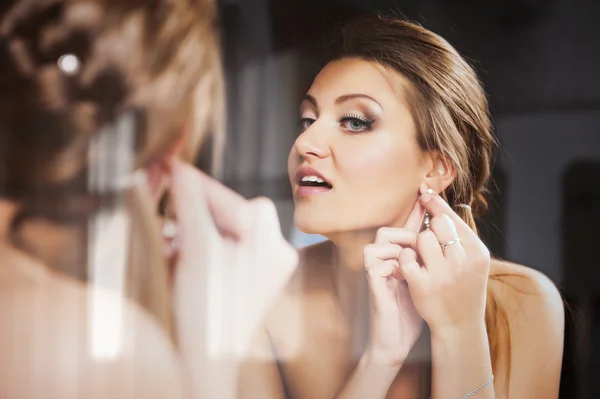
[310,182]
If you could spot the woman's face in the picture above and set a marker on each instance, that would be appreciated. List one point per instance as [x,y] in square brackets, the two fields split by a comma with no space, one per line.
[358,136]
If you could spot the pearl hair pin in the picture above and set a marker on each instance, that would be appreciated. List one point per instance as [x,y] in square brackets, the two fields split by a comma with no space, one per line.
[69,64]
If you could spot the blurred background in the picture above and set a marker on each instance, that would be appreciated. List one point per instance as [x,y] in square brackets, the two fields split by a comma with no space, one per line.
[540,63]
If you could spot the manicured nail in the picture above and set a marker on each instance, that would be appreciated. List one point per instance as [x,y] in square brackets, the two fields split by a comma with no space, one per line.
[426,196]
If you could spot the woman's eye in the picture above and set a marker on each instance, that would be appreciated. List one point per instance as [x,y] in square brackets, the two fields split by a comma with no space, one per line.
[356,124]
[305,123]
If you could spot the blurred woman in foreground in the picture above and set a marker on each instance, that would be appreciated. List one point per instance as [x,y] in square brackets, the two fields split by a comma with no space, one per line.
[101,102]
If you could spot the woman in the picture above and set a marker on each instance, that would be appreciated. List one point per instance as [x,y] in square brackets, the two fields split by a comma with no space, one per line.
[100,103]
[391,163]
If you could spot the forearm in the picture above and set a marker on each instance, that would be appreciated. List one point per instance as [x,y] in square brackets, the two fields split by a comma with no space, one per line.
[370,379]
[461,363]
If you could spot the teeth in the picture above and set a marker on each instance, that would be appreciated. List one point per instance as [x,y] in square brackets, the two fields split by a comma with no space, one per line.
[314,179]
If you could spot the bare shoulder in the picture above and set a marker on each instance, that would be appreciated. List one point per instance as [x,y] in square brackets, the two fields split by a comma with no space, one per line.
[534,313]
[61,340]
[519,286]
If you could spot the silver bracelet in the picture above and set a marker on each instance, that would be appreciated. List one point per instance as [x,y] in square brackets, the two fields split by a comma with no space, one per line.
[473,392]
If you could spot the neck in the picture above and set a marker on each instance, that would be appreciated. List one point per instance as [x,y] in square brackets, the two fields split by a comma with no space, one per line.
[350,282]
[50,243]
[348,249]
[348,269]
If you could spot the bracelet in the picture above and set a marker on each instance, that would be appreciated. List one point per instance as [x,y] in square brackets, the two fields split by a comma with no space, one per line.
[479,388]
[473,392]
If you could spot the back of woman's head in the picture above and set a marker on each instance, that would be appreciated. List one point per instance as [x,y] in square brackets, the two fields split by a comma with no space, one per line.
[91,91]
[71,68]
[445,97]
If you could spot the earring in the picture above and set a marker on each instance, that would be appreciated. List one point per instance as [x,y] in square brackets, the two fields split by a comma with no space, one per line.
[427,220]
[169,231]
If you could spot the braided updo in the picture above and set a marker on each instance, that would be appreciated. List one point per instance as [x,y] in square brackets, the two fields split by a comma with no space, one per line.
[149,56]
[72,74]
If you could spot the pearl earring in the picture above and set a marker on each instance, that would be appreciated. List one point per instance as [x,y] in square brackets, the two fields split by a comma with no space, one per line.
[427,220]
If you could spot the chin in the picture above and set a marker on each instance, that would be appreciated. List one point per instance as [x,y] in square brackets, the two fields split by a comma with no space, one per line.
[310,223]
[309,228]
[329,225]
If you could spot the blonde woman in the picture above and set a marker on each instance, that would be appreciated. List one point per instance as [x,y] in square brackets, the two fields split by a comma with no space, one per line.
[402,301]
[101,102]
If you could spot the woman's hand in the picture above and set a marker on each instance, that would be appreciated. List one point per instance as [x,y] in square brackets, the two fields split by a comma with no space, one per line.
[448,278]
[395,324]
[233,263]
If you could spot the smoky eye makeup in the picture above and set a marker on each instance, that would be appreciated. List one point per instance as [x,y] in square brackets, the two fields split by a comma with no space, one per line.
[356,122]
[358,116]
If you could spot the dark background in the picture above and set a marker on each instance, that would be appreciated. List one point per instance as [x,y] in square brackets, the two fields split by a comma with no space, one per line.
[540,63]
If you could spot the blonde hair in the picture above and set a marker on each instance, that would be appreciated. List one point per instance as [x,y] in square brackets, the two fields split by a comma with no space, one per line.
[158,60]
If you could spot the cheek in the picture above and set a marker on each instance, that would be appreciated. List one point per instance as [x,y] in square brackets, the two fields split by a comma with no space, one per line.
[384,181]
[383,167]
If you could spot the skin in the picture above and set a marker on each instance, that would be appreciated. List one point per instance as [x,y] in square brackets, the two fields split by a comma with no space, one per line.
[45,340]
[319,337]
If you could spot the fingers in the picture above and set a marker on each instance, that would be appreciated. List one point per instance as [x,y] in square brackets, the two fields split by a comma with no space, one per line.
[264,212]
[375,253]
[415,218]
[381,262]
[381,271]
[398,236]
[189,201]
[409,266]
[428,248]
[435,205]
[445,231]
[198,237]
[229,210]
[377,278]
[265,233]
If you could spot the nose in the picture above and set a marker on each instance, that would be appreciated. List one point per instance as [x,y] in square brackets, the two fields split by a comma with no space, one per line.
[311,143]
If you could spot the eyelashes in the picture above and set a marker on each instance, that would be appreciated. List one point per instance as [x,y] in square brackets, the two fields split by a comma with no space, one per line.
[352,122]
[304,123]
[356,122]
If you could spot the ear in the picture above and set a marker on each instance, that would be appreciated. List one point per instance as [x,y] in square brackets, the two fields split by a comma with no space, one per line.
[440,173]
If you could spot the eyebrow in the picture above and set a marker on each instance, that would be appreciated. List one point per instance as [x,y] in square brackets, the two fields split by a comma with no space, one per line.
[342,99]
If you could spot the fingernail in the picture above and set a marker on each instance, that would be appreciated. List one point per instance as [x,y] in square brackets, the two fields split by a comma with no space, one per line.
[388,271]
[426,197]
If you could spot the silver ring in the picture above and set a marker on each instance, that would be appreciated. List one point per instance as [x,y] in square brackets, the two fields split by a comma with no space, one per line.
[454,241]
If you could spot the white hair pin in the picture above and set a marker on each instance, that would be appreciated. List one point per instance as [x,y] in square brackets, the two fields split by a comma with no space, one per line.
[69,64]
